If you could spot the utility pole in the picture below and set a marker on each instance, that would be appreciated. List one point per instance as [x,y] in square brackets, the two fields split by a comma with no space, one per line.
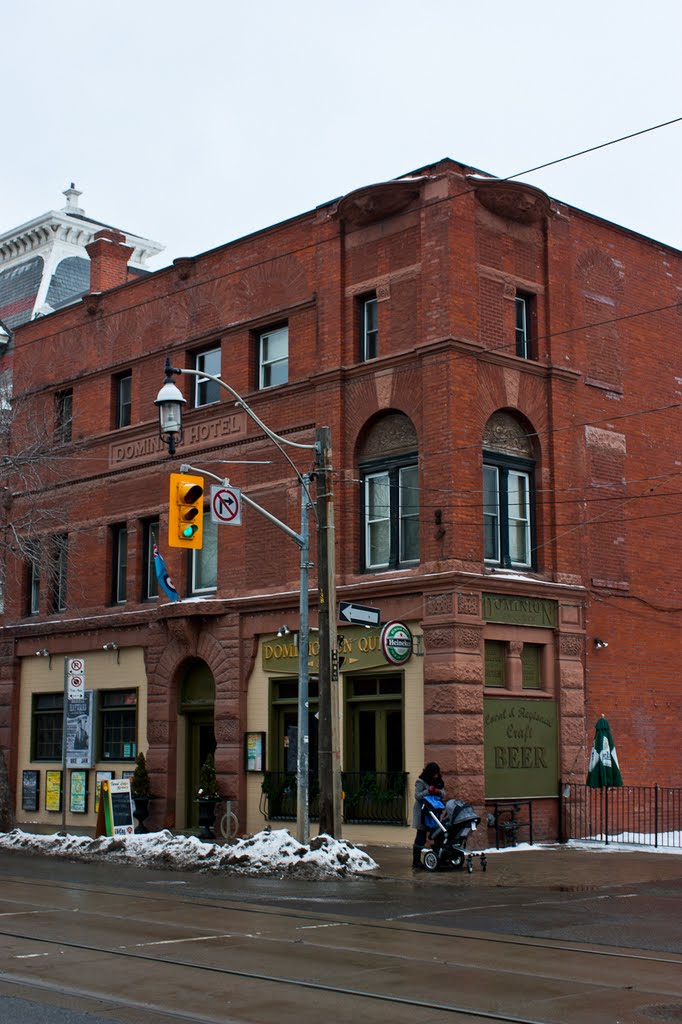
[329,763]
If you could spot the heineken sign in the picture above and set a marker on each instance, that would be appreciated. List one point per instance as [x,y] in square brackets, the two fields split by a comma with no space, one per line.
[396,643]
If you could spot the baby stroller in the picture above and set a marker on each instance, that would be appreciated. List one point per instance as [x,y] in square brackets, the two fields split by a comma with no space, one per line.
[449,835]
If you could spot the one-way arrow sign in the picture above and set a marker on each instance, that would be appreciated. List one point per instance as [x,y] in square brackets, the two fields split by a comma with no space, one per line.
[360,613]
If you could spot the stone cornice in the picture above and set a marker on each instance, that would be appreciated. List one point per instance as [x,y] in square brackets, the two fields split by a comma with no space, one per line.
[42,232]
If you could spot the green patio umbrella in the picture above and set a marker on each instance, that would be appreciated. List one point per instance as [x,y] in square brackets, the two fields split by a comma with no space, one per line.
[604,769]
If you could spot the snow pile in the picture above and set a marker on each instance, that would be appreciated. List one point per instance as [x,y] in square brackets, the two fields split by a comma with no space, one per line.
[268,852]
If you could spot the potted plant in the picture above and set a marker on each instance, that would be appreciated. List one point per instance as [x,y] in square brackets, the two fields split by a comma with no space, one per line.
[208,796]
[140,790]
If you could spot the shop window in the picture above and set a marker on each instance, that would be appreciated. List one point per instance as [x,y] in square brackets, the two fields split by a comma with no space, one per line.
[204,561]
[531,660]
[118,723]
[283,753]
[47,726]
[207,391]
[494,663]
[374,731]
[273,357]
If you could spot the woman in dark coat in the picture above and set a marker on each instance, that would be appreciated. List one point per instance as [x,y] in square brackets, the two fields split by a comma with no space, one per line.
[429,783]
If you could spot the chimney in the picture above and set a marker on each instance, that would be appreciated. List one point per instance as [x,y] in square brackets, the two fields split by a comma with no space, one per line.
[108,260]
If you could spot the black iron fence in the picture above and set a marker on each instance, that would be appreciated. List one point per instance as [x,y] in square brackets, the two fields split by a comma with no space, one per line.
[369,797]
[634,815]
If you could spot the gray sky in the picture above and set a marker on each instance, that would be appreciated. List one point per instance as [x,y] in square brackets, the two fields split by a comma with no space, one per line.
[196,123]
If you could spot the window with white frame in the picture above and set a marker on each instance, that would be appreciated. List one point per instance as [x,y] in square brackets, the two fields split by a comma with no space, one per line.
[507,517]
[33,578]
[273,357]
[205,560]
[369,327]
[207,391]
[523,326]
[391,503]
[123,385]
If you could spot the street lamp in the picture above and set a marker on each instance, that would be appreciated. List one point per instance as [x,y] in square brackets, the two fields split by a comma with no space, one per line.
[170,402]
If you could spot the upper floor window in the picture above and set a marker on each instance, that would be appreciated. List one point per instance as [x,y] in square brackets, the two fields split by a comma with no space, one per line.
[369,328]
[205,560]
[390,508]
[524,309]
[508,493]
[59,566]
[150,584]
[63,416]
[273,357]
[119,576]
[391,517]
[123,394]
[33,579]
[207,391]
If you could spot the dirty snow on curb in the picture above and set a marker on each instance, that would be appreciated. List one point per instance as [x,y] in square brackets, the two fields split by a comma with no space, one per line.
[267,852]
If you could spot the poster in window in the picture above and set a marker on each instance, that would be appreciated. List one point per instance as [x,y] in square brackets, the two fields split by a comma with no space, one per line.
[100,776]
[79,730]
[78,801]
[53,791]
[30,790]
[255,751]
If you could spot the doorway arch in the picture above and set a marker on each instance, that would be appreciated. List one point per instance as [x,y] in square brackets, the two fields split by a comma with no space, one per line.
[196,714]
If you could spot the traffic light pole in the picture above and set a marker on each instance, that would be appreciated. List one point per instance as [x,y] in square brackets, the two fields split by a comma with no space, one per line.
[170,401]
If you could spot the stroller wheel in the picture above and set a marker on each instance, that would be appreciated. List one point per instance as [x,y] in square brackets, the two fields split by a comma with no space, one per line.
[457,859]
[430,860]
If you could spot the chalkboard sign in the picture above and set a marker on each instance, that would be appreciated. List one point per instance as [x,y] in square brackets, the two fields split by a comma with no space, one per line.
[30,786]
[115,815]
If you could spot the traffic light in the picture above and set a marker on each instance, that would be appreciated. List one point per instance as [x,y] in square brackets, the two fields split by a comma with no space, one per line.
[186,511]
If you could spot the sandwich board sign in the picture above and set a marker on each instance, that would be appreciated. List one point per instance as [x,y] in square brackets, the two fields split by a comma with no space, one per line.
[115,813]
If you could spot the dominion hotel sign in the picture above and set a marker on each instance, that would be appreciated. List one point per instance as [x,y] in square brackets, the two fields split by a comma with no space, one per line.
[223,428]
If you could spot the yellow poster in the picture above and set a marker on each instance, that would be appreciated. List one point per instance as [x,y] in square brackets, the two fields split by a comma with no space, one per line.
[53,791]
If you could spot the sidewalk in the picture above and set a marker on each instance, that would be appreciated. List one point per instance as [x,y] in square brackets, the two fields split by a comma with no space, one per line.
[555,866]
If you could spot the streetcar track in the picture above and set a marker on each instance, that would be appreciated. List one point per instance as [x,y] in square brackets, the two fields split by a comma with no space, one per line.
[385,925]
[422,1004]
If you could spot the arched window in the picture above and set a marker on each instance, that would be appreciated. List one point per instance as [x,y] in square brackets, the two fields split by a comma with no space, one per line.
[390,487]
[508,493]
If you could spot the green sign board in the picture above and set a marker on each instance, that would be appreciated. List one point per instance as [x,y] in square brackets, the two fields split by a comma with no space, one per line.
[359,650]
[521,755]
[521,611]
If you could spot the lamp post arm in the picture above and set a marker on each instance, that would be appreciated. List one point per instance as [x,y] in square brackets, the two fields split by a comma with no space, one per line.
[245,406]
[275,438]
[296,537]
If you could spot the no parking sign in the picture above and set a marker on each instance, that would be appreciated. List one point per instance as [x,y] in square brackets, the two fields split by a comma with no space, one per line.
[75,678]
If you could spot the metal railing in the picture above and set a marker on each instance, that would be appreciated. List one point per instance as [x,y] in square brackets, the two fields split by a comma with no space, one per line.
[629,815]
[374,797]
[369,797]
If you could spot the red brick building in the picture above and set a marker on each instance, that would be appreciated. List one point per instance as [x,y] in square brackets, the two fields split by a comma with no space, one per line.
[499,374]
